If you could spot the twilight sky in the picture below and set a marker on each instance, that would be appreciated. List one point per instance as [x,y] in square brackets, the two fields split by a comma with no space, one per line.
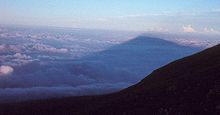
[143,15]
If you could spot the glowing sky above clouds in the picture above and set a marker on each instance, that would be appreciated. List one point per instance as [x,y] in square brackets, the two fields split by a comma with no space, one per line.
[144,15]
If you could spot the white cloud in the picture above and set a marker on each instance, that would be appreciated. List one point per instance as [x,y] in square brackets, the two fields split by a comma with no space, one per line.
[11,48]
[21,56]
[5,70]
[46,48]
[16,59]
[22,59]
[210,30]
[188,29]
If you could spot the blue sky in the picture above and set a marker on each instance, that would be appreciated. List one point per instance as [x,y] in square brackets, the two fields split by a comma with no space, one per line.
[144,15]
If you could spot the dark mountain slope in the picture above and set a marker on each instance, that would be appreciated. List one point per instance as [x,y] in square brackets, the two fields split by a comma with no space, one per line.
[187,86]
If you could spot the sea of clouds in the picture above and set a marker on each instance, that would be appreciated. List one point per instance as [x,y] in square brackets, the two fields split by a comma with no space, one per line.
[38,63]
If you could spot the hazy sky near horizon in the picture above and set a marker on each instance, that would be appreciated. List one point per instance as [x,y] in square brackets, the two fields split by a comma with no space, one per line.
[144,15]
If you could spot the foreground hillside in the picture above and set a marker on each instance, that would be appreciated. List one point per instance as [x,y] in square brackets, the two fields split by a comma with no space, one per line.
[187,86]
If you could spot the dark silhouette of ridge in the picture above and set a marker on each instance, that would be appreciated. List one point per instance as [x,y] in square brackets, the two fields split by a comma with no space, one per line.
[187,86]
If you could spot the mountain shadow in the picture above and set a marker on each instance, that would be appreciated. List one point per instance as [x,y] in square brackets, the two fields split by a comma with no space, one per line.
[132,60]
[187,86]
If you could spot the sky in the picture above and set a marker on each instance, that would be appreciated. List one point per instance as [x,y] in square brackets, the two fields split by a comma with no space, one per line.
[135,15]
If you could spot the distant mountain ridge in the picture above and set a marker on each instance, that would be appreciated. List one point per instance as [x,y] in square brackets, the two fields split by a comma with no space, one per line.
[186,86]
